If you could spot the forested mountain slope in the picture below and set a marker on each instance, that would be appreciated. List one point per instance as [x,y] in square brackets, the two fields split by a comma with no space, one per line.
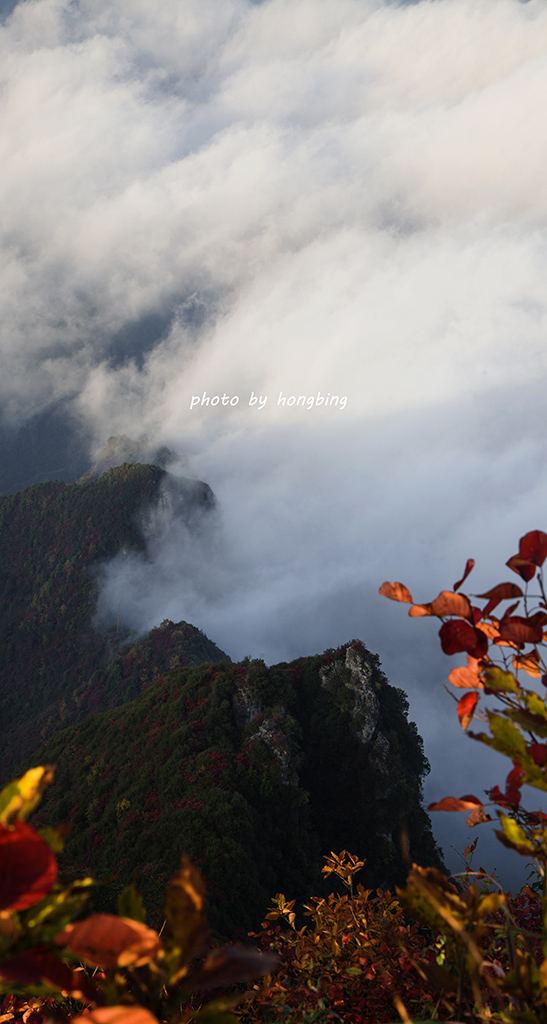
[255,772]
[54,665]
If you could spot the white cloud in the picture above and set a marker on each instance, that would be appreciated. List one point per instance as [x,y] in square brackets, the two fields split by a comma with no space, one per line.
[316,196]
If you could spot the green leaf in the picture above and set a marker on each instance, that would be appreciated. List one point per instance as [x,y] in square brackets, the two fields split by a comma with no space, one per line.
[489,904]
[46,919]
[515,835]
[535,703]
[55,836]
[130,905]
[534,723]
[505,736]
[496,679]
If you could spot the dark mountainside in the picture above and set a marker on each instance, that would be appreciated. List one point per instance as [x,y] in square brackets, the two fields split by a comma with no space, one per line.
[166,746]
[255,772]
[55,667]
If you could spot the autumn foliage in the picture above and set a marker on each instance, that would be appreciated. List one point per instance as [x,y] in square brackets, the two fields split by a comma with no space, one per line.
[354,957]
[454,949]
[501,644]
[120,970]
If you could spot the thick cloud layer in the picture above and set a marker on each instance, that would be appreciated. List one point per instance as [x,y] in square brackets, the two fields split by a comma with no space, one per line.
[309,199]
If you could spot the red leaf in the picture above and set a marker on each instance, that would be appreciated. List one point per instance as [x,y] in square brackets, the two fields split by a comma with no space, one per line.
[489,608]
[396,592]
[233,964]
[477,816]
[539,617]
[502,592]
[466,707]
[458,635]
[37,966]
[28,869]
[451,803]
[469,565]
[509,611]
[538,751]
[522,566]
[536,817]
[515,775]
[447,603]
[104,940]
[519,630]
[511,797]
[533,547]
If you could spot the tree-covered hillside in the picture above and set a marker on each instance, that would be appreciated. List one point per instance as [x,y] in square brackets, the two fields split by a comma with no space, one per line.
[54,665]
[254,772]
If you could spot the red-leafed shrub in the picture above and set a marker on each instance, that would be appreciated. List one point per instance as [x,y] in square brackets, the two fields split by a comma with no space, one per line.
[496,947]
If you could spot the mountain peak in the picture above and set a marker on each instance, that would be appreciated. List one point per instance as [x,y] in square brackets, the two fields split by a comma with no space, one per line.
[119,449]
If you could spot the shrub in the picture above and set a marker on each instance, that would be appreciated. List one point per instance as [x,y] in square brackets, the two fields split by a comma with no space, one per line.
[499,648]
[121,971]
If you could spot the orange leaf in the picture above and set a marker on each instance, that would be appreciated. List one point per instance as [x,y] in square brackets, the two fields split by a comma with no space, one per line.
[396,592]
[447,603]
[28,868]
[467,676]
[104,940]
[490,629]
[477,816]
[466,707]
[469,565]
[451,803]
[117,1015]
[528,662]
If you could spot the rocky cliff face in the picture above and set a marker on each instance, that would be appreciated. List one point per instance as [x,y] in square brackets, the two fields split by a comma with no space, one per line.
[355,693]
[255,771]
[354,672]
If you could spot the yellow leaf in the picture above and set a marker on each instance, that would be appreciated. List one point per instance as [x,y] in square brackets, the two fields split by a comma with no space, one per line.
[186,924]
[21,796]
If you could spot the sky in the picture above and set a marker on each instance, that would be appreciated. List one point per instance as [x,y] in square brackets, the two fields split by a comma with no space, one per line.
[212,207]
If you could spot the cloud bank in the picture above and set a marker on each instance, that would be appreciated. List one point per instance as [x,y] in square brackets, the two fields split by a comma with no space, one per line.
[304,198]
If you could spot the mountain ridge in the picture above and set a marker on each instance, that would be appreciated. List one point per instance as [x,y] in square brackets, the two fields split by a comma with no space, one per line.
[54,538]
[254,772]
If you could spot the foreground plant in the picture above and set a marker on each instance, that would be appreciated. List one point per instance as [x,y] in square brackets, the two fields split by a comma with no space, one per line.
[121,970]
[499,648]
[354,960]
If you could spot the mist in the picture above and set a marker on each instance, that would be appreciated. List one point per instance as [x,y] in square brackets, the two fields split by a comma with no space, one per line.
[311,199]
